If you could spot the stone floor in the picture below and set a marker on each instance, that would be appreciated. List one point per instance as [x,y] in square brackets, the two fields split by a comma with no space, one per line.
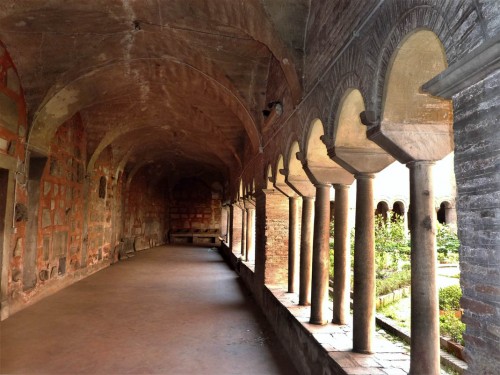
[168,310]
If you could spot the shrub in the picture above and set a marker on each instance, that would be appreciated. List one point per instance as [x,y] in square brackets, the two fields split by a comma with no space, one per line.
[452,327]
[449,298]
[447,244]
[395,281]
[392,246]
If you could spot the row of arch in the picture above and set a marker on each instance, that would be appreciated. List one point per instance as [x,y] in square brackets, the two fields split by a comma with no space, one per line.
[413,128]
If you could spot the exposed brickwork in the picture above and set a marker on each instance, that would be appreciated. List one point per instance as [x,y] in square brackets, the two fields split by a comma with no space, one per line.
[194,205]
[145,211]
[477,158]
[236,229]
[271,259]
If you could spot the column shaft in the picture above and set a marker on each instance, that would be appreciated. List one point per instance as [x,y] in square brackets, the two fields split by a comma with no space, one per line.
[250,247]
[321,256]
[341,256]
[364,267]
[243,232]
[293,244]
[424,357]
[306,246]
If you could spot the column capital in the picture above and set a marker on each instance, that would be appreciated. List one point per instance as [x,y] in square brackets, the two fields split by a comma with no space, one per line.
[341,186]
[322,184]
[364,176]
[416,163]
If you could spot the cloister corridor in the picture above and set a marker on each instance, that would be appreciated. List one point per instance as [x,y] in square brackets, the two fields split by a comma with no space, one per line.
[170,309]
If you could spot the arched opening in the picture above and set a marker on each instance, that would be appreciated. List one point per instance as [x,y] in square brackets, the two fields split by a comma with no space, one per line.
[398,210]
[441,212]
[382,210]
[416,128]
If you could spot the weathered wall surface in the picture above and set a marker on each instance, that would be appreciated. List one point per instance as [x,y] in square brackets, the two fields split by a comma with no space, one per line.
[13,204]
[194,205]
[477,114]
[145,209]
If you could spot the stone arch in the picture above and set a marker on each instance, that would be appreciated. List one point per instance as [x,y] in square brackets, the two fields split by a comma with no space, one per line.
[349,145]
[414,125]
[319,167]
[61,104]
[387,37]
[346,84]
[446,213]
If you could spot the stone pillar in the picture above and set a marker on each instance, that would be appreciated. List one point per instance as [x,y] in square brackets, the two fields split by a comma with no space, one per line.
[236,228]
[341,256]
[306,246]
[250,247]
[364,266]
[271,239]
[293,243]
[424,356]
[243,232]
[321,256]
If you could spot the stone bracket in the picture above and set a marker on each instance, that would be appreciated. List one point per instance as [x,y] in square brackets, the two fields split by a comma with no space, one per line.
[473,68]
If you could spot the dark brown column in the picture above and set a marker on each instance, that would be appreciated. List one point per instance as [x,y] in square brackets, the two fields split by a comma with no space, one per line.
[243,231]
[321,257]
[306,246]
[364,266]
[341,256]
[293,243]
[235,229]
[250,247]
[424,355]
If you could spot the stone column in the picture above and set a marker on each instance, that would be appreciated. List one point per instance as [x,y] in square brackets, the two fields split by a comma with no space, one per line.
[364,266]
[293,244]
[424,356]
[321,257]
[306,246]
[250,247]
[244,215]
[341,256]
[236,228]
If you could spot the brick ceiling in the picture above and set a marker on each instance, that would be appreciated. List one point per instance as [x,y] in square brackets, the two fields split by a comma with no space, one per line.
[178,83]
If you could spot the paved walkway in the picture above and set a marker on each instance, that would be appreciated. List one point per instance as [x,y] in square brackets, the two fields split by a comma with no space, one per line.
[168,310]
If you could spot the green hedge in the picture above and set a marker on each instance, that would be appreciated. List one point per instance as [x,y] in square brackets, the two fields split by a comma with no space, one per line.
[449,298]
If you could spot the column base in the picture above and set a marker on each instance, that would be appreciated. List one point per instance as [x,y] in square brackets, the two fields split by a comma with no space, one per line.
[363,351]
[319,322]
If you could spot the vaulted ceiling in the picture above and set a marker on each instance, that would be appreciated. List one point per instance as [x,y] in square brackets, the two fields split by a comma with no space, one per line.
[180,83]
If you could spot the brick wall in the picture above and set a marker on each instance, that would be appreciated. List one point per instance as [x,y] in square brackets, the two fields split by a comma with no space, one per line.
[145,211]
[271,258]
[477,160]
